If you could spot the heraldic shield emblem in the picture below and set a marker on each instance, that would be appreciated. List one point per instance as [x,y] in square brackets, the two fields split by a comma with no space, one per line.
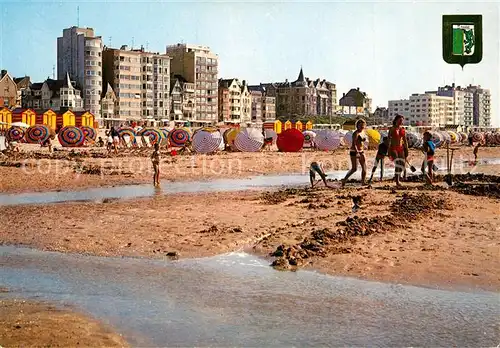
[462,39]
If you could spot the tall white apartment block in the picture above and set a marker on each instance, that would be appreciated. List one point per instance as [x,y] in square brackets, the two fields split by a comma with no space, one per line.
[481,106]
[462,103]
[79,54]
[424,110]
[401,107]
[141,82]
[198,65]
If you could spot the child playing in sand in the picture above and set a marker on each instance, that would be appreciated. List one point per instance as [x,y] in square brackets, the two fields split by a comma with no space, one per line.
[155,159]
[381,153]
[314,168]
[100,142]
[110,142]
[429,148]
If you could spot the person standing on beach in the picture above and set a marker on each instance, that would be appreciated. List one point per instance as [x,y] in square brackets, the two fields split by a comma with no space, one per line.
[116,138]
[381,153]
[356,151]
[398,146]
[476,150]
[155,159]
[429,148]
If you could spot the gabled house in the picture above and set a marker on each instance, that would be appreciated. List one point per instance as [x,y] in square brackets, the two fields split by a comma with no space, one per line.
[8,90]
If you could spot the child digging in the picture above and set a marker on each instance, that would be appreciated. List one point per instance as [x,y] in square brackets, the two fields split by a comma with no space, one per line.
[429,149]
[381,153]
[317,168]
[155,159]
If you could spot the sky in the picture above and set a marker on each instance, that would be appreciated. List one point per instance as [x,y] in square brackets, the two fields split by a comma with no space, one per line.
[389,49]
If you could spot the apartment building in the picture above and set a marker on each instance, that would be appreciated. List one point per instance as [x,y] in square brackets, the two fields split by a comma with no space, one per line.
[399,106]
[182,96]
[79,54]
[424,110]
[263,105]
[229,101]
[481,106]
[140,81]
[198,65]
[463,103]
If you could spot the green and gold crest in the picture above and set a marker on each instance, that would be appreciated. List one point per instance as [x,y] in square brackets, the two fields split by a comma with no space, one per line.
[462,39]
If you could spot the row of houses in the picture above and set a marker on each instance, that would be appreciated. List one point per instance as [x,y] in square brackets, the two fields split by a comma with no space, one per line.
[50,118]
[178,84]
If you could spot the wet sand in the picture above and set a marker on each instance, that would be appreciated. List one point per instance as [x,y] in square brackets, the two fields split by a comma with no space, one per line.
[36,324]
[456,243]
[64,171]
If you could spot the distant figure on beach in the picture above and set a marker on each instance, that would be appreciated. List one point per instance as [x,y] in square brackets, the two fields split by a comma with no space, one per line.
[116,138]
[317,168]
[429,148]
[155,159]
[356,151]
[109,141]
[398,146]
[476,149]
[100,142]
[379,158]
[48,143]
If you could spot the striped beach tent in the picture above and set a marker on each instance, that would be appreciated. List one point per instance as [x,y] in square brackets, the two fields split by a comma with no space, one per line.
[308,137]
[90,133]
[37,134]
[207,140]
[477,137]
[178,137]
[249,140]
[437,138]
[155,135]
[229,137]
[71,136]
[373,138]
[327,140]
[122,131]
[290,140]
[15,133]
[412,139]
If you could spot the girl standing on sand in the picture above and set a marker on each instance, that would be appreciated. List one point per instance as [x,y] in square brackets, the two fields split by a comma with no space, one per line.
[398,146]
[155,159]
[356,151]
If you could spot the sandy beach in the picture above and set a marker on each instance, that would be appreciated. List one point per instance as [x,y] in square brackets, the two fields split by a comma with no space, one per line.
[40,171]
[39,324]
[445,239]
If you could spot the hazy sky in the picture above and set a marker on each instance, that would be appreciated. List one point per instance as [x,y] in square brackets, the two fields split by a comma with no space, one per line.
[388,49]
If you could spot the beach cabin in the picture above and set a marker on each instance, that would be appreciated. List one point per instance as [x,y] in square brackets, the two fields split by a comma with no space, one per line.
[309,125]
[288,125]
[299,126]
[274,125]
[84,118]
[66,119]
[27,116]
[5,118]
[49,118]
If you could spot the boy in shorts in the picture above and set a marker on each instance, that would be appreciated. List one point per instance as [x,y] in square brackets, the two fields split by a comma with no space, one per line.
[381,153]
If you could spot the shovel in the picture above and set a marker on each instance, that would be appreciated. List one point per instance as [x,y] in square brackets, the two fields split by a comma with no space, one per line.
[412,168]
